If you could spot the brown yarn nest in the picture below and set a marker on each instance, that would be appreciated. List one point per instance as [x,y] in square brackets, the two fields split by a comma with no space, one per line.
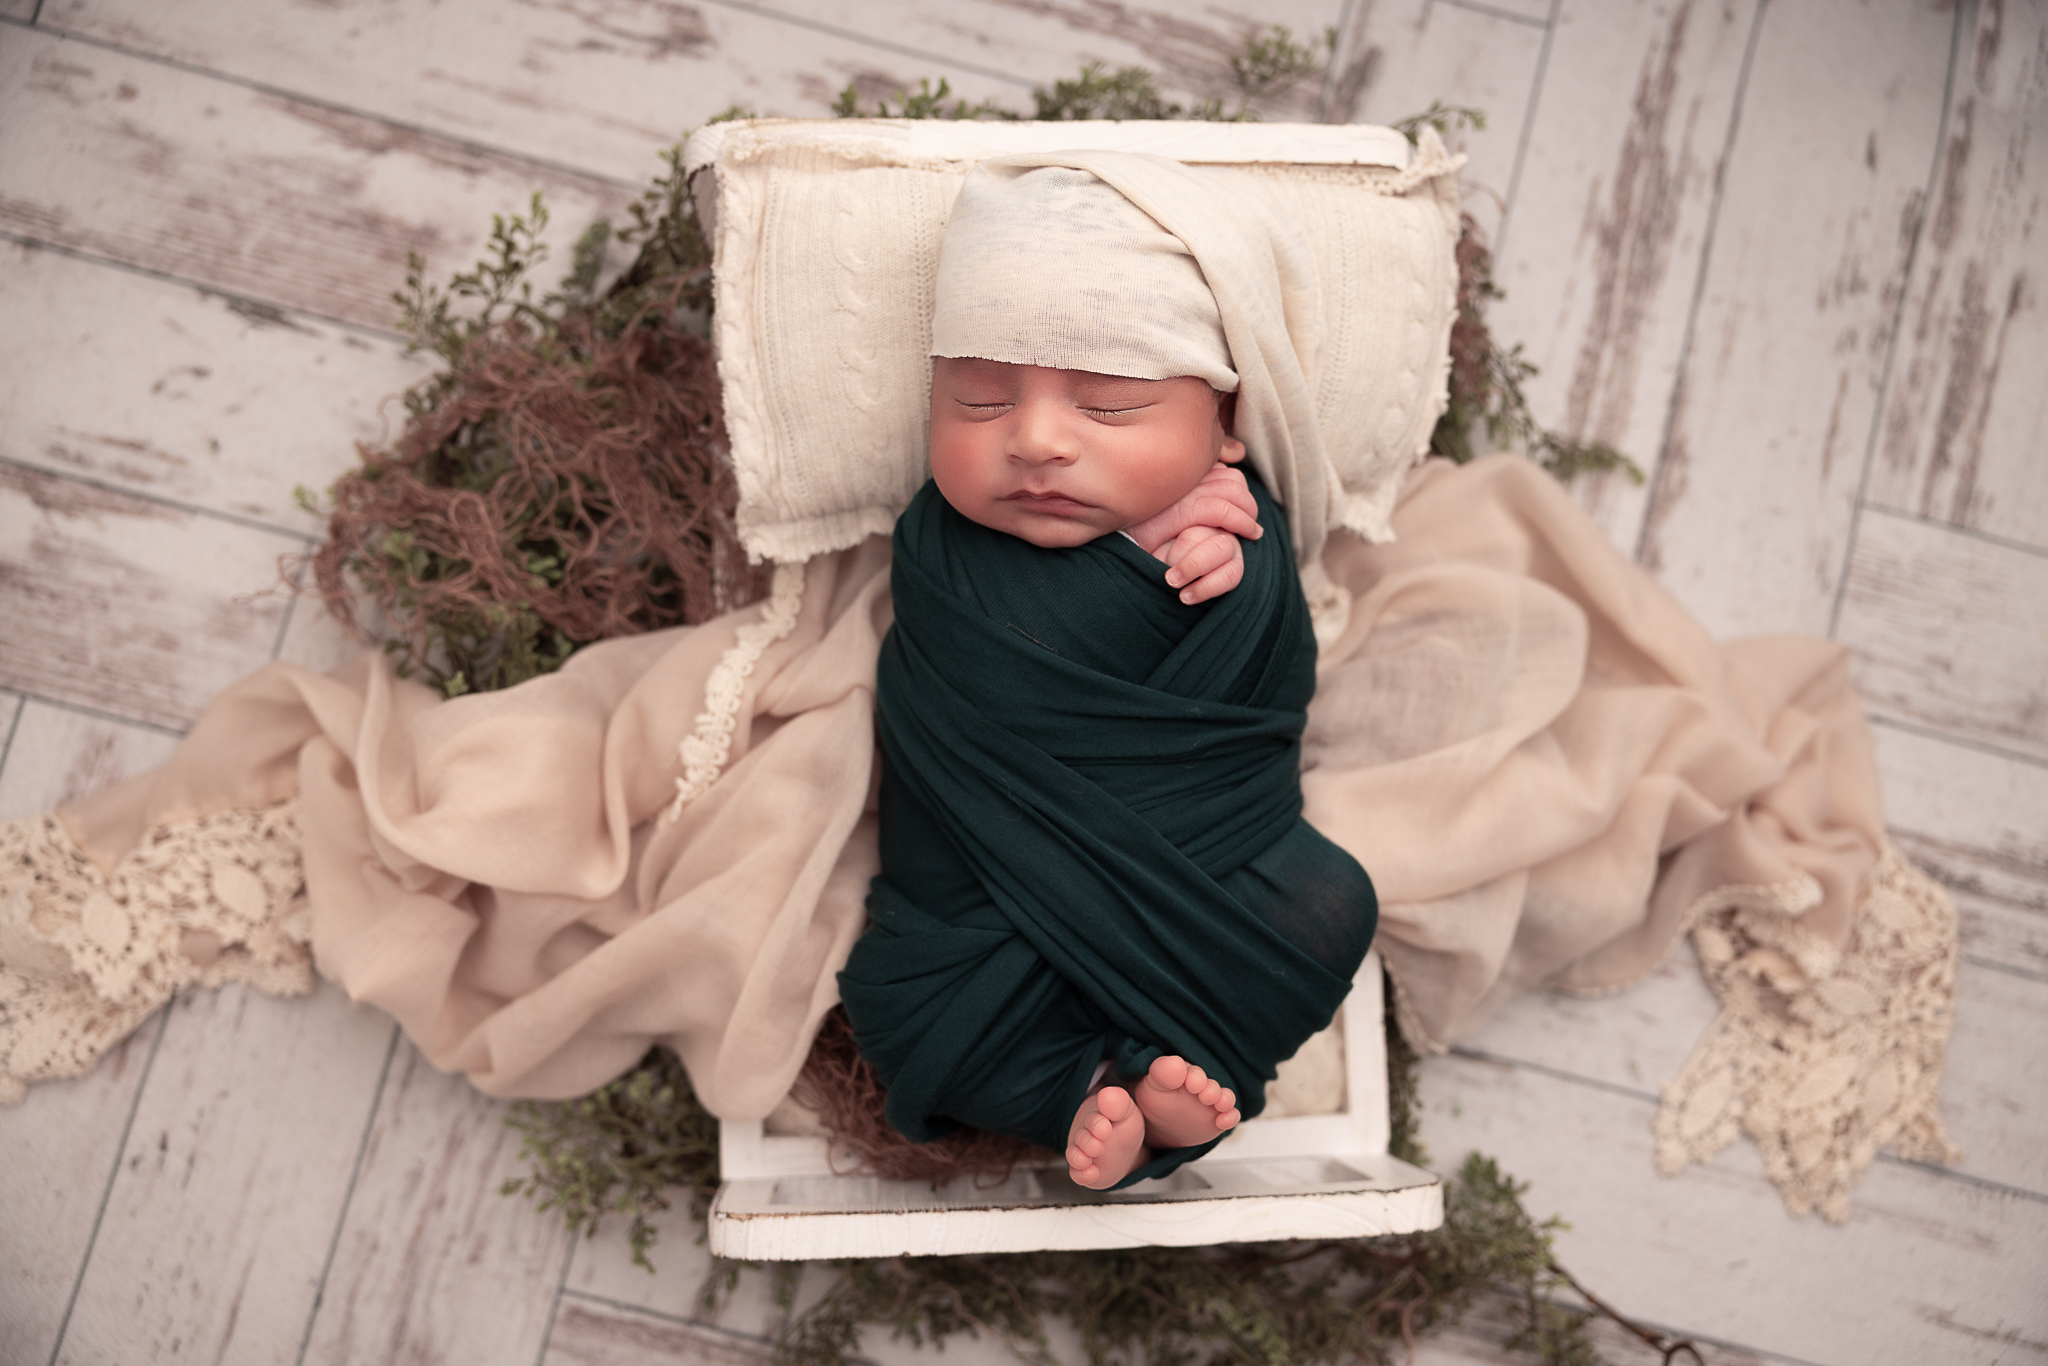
[847,1095]
[556,487]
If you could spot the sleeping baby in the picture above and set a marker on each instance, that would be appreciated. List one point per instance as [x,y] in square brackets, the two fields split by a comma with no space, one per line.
[1101,920]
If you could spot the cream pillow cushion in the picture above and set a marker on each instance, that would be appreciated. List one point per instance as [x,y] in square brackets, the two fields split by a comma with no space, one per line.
[826,241]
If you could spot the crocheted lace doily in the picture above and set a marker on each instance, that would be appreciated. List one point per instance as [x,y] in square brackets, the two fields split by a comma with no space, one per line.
[85,957]
[1822,1059]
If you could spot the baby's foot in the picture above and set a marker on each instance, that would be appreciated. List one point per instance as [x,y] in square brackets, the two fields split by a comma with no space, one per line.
[1107,1140]
[1182,1106]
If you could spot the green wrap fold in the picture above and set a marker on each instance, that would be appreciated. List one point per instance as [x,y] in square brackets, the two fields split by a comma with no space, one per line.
[1092,844]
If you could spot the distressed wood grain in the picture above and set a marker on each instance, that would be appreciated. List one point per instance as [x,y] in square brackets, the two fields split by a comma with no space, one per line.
[181,394]
[590,1333]
[1394,60]
[1948,631]
[126,605]
[234,1174]
[23,10]
[1926,1269]
[1978,823]
[1601,251]
[59,756]
[1494,1317]
[1991,1101]
[607,85]
[269,197]
[431,1263]
[1811,243]
[603,1272]
[61,1142]
[1963,418]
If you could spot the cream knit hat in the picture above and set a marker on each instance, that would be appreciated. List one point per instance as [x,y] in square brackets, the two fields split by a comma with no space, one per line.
[1047,265]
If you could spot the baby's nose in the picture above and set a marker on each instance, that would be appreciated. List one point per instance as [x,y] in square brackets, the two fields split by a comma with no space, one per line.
[1040,436]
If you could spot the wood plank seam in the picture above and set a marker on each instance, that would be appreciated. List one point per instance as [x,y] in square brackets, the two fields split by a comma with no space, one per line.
[1652,1098]
[879,44]
[97,713]
[547,1332]
[1942,524]
[13,727]
[1330,66]
[1507,212]
[348,1195]
[244,305]
[467,144]
[176,505]
[2009,969]
[1965,741]
[291,604]
[1477,8]
[664,1315]
[1577,1305]
[1674,405]
[1891,345]
[92,1239]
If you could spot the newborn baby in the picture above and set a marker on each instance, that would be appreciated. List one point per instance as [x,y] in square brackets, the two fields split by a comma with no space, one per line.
[1101,921]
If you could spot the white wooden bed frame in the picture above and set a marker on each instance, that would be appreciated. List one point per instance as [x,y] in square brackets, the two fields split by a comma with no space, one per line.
[1307,1176]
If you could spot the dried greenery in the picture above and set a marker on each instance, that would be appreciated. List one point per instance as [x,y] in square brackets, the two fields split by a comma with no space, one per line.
[558,482]
[622,1149]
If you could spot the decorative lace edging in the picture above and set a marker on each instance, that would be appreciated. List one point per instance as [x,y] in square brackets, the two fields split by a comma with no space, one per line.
[1822,1059]
[705,750]
[85,957]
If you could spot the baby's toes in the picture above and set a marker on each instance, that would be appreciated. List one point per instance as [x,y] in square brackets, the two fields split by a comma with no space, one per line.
[1196,1080]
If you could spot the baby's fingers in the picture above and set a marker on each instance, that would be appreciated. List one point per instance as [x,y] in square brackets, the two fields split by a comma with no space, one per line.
[1205,563]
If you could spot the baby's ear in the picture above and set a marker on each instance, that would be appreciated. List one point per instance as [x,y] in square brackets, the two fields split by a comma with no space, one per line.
[1226,418]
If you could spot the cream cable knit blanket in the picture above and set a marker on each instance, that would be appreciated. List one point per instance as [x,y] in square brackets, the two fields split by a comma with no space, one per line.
[1549,769]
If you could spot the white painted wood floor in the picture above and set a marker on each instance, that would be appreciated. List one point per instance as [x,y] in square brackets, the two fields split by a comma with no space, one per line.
[1790,255]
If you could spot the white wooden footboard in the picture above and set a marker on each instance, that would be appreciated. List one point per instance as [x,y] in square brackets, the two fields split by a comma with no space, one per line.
[1297,1176]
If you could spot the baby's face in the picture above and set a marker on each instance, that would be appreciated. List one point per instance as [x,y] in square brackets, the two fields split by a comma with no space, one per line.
[1060,457]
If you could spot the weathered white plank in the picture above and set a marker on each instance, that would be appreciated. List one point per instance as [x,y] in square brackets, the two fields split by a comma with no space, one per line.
[1394,60]
[235,1172]
[1966,408]
[62,1140]
[1601,249]
[606,87]
[1979,824]
[182,394]
[126,605]
[313,639]
[1475,1340]
[1926,1269]
[604,1272]
[1949,632]
[265,196]
[1749,510]
[1993,1103]
[432,1264]
[592,1333]
[61,1144]
[59,756]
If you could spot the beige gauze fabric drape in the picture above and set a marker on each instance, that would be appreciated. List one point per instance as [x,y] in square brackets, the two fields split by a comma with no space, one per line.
[1547,767]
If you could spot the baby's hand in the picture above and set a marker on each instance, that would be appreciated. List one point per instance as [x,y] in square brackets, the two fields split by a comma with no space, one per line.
[1197,536]
[1203,563]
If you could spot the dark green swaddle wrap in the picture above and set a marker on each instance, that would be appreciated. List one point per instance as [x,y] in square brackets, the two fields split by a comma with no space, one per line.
[1092,844]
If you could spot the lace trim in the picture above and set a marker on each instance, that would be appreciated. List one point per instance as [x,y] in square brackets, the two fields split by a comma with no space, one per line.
[1821,1058]
[705,750]
[86,957]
